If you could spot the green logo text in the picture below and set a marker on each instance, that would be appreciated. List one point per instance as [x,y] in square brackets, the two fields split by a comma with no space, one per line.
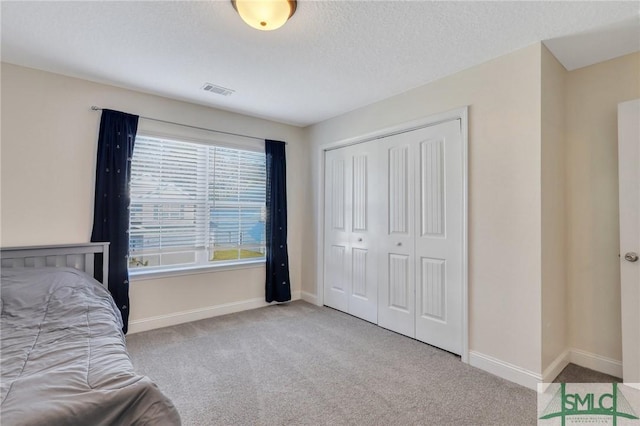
[612,404]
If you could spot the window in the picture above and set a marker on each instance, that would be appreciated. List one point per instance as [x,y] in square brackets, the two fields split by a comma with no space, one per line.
[194,205]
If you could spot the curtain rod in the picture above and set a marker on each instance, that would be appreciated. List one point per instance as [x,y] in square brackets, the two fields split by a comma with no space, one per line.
[95,108]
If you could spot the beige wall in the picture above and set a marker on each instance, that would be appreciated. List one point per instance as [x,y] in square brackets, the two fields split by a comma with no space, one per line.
[504,193]
[49,138]
[554,318]
[593,268]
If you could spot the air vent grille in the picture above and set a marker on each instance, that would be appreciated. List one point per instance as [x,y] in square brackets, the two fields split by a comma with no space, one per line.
[218,90]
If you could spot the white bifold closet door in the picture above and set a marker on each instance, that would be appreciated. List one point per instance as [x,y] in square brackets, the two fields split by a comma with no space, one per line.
[420,259]
[350,268]
[394,233]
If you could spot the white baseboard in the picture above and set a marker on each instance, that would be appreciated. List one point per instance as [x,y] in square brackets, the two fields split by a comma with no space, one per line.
[583,359]
[530,379]
[309,297]
[556,367]
[595,362]
[160,321]
[505,370]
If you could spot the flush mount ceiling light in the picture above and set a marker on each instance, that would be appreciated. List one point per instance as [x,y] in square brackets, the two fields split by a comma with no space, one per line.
[265,15]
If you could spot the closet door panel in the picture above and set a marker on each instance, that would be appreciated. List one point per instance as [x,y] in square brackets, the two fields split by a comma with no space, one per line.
[399,295]
[398,190]
[350,265]
[431,212]
[397,278]
[337,251]
[360,177]
[363,298]
[432,288]
[439,242]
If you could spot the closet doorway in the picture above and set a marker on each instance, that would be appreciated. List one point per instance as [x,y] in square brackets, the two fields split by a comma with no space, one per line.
[394,230]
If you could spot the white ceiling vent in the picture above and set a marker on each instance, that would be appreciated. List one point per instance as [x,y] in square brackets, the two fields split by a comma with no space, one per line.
[218,90]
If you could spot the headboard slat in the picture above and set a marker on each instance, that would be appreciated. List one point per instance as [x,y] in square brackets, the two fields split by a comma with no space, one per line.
[78,256]
[89,260]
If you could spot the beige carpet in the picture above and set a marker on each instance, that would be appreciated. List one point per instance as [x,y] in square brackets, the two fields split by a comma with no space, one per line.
[575,374]
[299,364]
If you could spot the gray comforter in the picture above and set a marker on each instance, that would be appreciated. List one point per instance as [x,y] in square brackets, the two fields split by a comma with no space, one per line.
[64,359]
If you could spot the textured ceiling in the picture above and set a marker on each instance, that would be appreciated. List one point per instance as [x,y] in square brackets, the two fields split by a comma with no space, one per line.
[330,58]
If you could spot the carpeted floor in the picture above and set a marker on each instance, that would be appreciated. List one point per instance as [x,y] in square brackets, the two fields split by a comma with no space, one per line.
[299,364]
[575,374]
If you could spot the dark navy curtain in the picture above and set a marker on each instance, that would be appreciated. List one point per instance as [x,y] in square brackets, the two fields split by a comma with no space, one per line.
[111,208]
[278,287]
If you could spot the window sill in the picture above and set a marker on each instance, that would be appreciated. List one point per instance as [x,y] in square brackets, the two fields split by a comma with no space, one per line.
[141,274]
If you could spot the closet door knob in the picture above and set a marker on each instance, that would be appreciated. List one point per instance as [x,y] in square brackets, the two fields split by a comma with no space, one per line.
[359,240]
[399,244]
[631,257]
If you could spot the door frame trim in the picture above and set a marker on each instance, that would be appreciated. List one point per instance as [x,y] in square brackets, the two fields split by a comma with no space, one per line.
[460,114]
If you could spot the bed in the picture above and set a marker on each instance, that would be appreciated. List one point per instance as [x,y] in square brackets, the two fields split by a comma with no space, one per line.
[64,358]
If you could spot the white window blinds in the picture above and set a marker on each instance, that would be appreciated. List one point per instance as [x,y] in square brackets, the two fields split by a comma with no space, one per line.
[195,204]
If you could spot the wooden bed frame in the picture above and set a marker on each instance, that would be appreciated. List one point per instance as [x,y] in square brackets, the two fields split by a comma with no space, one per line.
[78,256]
